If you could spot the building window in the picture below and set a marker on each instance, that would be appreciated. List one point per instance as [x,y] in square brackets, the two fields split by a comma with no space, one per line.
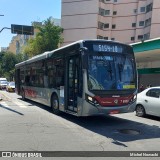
[133,24]
[142,9]
[147,22]
[106,38]
[135,11]
[141,23]
[132,38]
[107,12]
[146,36]
[101,11]
[113,26]
[140,37]
[103,1]
[99,37]
[149,7]
[100,25]
[112,39]
[114,12]
[115,0]
[106,25]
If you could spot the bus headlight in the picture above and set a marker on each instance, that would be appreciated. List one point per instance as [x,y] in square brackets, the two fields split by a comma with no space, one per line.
[133,99]
[91,100]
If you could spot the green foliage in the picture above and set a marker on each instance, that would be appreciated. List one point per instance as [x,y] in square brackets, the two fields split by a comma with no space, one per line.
[48,38]
[7,64]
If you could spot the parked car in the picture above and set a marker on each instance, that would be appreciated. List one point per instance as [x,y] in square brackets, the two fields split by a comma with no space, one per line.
[3,84]
[10,87]
[148,102]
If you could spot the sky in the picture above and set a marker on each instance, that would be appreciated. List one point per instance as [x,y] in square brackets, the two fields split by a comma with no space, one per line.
[23,12]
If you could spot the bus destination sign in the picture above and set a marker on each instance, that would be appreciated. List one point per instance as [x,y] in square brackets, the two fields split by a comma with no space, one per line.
[107,48]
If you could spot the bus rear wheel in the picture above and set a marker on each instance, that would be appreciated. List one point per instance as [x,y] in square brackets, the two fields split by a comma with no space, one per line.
[55,104]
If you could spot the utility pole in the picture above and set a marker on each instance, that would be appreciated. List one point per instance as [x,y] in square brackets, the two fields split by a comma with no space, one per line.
[4,28]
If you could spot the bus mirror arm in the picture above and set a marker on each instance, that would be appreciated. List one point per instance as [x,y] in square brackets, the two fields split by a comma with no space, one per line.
[82,50]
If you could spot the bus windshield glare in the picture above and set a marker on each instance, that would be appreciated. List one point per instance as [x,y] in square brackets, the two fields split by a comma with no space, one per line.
[111,71]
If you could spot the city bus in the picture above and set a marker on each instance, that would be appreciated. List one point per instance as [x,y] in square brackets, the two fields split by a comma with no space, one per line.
[85,78]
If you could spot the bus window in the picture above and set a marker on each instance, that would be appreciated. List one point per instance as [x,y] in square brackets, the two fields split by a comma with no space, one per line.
[27,80]
[59,72]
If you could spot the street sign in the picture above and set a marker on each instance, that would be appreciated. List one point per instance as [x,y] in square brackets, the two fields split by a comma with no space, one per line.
[22,29]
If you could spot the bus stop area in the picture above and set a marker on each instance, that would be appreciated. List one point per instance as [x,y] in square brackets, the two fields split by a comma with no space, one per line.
[147,54]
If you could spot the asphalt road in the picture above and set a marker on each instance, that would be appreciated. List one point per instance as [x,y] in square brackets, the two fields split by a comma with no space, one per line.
[29,126]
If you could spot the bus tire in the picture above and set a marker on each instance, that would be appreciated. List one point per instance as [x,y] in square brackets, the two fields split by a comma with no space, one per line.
[55,104]
[23,95]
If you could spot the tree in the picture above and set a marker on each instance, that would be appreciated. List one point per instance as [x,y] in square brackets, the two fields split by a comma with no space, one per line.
[7,64]
[1,56]
[48,38]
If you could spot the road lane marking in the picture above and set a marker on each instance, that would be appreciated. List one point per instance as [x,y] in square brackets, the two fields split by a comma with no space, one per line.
[4,96]
[21,105]
[4,104]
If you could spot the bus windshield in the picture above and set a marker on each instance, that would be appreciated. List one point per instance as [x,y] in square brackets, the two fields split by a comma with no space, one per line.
[111,71]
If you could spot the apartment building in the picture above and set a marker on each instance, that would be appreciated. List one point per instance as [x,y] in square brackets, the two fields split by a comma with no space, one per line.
[19,41]
[128,21]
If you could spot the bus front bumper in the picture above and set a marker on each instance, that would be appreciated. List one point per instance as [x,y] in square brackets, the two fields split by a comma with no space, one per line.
[90,110]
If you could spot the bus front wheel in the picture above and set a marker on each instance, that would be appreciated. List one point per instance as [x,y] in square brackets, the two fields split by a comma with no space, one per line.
[55,104]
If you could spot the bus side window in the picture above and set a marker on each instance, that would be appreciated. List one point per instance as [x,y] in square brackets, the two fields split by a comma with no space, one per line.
[27,80]
[59,72]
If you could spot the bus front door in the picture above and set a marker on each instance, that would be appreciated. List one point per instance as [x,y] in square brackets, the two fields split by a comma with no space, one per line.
[72,85]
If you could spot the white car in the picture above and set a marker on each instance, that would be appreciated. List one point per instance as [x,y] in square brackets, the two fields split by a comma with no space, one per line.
[3,84]
[148,102]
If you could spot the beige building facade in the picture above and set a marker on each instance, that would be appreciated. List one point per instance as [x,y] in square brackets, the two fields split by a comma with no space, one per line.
[127,21]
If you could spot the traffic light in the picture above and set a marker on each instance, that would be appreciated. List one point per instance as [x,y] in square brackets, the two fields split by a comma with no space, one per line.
[22,29]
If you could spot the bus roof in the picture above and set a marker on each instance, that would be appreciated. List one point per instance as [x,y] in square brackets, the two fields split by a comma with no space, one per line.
[50,53]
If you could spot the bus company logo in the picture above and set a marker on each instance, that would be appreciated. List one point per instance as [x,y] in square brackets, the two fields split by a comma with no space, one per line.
[116,101]
[6,154]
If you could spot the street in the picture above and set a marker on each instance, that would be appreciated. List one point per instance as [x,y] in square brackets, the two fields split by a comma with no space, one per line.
[29,126]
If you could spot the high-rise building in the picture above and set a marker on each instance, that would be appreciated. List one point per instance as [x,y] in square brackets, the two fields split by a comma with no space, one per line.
[127,21]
